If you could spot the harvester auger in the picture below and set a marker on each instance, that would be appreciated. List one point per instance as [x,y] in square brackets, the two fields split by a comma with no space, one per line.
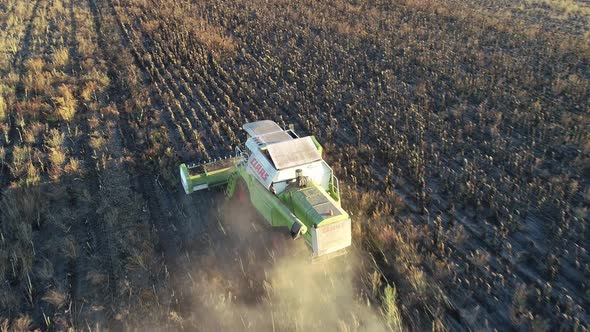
[288,183]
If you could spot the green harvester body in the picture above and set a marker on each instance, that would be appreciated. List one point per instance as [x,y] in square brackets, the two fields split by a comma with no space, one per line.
[309,206]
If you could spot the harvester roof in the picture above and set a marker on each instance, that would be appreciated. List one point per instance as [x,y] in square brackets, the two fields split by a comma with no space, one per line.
[275,137]
[282,148]
[262,127]
[294,152]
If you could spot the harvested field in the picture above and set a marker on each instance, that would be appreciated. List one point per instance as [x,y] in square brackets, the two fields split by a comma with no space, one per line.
[460,132]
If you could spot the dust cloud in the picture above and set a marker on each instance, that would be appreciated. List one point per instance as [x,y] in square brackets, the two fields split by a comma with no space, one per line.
[257,278]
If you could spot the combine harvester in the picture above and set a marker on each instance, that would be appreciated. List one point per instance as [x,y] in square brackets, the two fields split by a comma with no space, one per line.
[288,182]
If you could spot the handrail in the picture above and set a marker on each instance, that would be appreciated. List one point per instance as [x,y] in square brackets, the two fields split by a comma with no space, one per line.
[336,185]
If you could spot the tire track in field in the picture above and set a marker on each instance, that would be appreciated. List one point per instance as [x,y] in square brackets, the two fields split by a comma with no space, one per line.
[73,47]
[101,229]
[25,43]
[84,231]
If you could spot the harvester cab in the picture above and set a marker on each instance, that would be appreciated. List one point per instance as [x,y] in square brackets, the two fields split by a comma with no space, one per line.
[287,181]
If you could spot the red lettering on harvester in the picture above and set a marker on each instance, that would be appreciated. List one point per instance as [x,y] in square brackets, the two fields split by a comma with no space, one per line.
[258,169]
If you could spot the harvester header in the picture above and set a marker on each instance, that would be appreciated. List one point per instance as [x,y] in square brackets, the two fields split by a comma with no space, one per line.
[288,182]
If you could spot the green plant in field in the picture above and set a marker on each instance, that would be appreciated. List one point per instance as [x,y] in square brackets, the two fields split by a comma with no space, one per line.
[390,308]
